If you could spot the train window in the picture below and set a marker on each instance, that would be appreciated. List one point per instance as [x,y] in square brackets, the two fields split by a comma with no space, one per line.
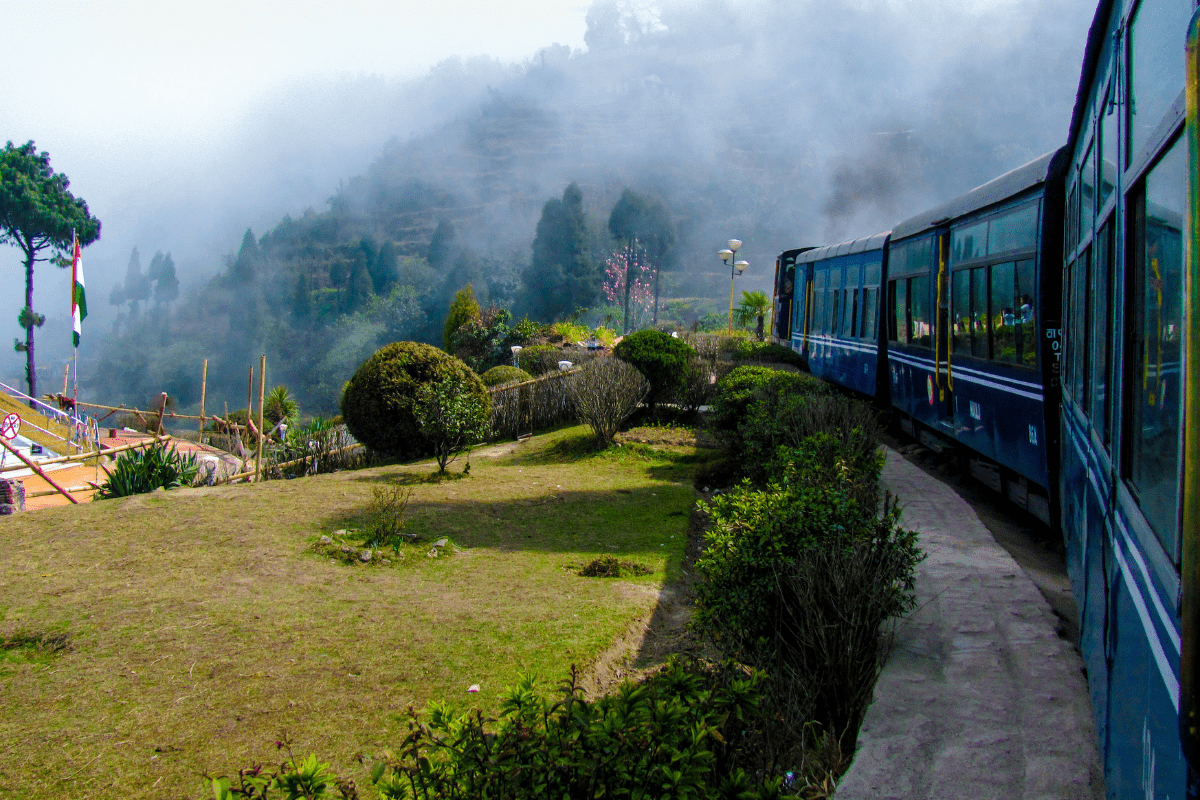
[1068,283]
[1101,294]
[1013,230]
[960,311]
[1026,314]
[872,273]
[835,298]
[1154,349]
[1087,195]
[921,327]
[979,313]
[820,301]
[1003,313]
[899,318]
[1108,148]
[850,301]
[1071,237]
[1082,325]
[968,242]
[1156,65]
[869,312]
[913,256]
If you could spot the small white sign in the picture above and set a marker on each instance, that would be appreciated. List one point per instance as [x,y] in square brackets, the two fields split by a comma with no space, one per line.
[10,426]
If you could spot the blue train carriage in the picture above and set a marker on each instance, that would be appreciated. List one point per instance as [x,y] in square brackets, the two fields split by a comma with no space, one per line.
[973,325]
[834,309]
[1123,446]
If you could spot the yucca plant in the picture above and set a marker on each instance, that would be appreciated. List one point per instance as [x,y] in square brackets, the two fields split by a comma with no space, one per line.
[147,469]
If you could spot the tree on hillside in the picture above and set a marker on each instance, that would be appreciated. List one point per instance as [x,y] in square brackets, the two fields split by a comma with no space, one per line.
[384,269]
[38,215]
[137,286]
[166,282]
[562,276]
[442,247]
[248,264]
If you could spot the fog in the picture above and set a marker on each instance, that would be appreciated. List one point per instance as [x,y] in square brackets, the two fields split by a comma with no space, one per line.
[779,123]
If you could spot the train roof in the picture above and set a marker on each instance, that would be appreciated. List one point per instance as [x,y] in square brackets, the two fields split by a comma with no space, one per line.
[994,191]
[847,248]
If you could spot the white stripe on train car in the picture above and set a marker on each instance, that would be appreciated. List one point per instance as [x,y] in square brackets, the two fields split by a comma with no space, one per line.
[957,372]
[1164,668]
[1168,624]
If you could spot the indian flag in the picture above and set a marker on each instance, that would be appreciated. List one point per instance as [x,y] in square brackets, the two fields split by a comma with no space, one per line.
[78,300]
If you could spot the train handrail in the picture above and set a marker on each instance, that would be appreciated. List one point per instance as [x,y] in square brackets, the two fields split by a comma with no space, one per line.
[938,333]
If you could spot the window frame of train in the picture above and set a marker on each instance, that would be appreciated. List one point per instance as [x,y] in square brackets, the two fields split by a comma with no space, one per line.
[1122,142]
[911,263]
[993,285]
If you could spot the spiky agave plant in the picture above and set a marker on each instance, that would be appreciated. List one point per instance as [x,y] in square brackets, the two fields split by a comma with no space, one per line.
[155,467]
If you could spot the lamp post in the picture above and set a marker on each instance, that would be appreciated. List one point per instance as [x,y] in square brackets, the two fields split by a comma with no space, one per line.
[736,268]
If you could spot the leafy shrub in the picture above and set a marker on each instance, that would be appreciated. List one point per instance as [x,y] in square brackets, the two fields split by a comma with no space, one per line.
[498,376]
[568,332]
[464,308]
[604,392]
[612,567]
[317,447]
[145,469]
[484,341]
[743,385]
[671,735]
[799,579]
[523,332]
[661,358]
[452,414]
[539,359]
[378,402]
[767,352]
[605,336]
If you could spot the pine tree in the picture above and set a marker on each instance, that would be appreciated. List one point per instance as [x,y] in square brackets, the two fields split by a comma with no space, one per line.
[562,276]
[248,263]
[166,285]
[137,285]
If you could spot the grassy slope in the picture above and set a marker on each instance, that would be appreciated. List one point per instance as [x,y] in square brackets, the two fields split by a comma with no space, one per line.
[203,627]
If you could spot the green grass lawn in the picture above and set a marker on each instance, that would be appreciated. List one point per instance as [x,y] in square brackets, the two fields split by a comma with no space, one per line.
[202,626]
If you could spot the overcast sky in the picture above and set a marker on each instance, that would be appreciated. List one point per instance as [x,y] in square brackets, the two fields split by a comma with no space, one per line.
[130,86]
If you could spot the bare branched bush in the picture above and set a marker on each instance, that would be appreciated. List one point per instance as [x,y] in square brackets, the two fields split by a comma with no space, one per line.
[604,393]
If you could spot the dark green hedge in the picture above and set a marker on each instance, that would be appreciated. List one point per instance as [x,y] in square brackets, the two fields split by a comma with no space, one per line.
[378,401]
[661,358]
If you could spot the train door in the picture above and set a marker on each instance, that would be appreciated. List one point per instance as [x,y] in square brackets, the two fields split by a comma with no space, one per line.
[943,370]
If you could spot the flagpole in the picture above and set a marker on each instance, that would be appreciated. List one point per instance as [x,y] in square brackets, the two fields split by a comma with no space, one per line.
[75,354]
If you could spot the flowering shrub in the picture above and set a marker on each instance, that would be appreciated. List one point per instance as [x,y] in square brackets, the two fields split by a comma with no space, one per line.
[629,284]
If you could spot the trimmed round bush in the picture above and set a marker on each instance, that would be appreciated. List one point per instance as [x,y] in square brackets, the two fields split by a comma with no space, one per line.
[377,404]
[660,357]
[497,376]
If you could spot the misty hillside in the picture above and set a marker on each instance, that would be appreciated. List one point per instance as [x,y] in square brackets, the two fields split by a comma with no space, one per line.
[782,124]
